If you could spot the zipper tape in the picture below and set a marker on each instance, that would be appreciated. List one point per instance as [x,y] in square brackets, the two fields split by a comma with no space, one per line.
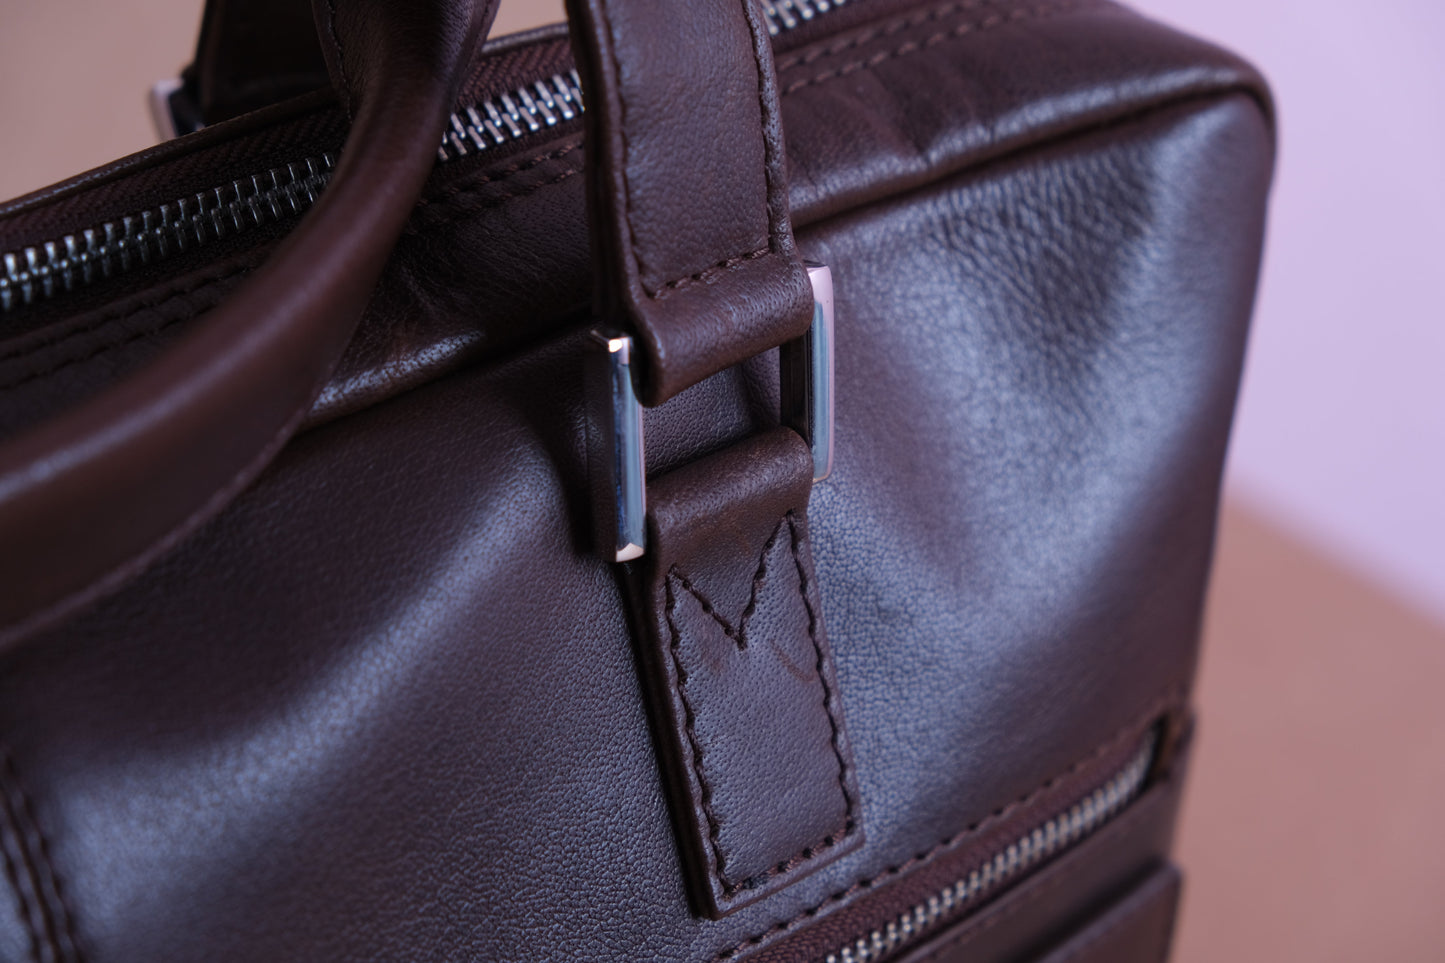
[47,270]
[1050,838]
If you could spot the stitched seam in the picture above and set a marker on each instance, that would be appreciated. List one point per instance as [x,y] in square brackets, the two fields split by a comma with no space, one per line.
[830,698]
[472,186]
[449,213]
[452,212]
[31,914]
[710,273]
[867,884]
[769,122]
[58,938]
[830,840]
[626,149]
[811,851]
[340,55]
[769,159]
[886,29]
[695,758]
[740,633]
[737,635]
[761,574]
[913,46]
[130,311]
[116,345]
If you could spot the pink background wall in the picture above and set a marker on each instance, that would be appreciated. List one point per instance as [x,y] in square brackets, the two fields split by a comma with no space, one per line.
[1342,430]
[1311,828]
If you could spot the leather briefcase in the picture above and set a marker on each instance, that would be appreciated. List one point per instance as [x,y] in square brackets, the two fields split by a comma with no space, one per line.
[347,614]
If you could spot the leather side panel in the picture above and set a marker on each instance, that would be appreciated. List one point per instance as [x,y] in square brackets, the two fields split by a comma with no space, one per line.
[1137,930]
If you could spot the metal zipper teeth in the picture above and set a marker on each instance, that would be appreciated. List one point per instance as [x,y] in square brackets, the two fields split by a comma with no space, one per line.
[1049,839]
[45,270]
[511,116]
[114,247]
[42,271]
[783,15]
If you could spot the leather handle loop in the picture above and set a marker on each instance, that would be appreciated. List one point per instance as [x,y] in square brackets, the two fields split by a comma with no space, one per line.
[92,496]
[687,185]
[252,53]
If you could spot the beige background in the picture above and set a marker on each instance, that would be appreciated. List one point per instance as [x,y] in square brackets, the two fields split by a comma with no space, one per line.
[1311,830]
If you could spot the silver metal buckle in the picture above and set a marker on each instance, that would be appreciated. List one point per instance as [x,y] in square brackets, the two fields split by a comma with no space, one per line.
[173,112]
[620,493]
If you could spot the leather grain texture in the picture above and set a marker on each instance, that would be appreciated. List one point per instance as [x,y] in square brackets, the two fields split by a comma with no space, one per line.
[387,706]
[739,656]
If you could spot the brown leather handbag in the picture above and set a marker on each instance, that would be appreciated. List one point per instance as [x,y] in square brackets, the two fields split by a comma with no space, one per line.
[346,616]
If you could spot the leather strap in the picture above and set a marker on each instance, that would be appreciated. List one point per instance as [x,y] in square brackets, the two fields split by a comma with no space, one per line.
[252,53]
[688,203]
[688,199]
[738,662]
[92,496]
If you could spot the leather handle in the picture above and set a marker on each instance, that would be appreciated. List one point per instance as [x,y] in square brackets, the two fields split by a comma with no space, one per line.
[92,496]
[688,204]
[687,192]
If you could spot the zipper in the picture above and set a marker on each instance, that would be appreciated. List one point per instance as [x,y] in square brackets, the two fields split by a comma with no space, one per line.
[499,120]
[546,103]
[46,270]
[784,15]
[42,271]
[1050,838]
[512,116]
